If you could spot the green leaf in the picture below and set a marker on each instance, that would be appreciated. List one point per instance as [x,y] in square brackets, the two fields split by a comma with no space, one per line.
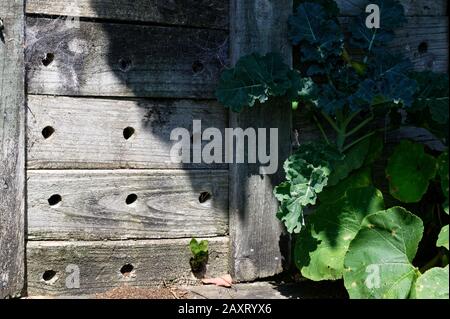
[392,16]
[319,33]
[198,248]
[358,179]
[330,6]
[443,174]
[321,247]
[443,238]
[432,94]
[388,82]
[434,284]
[409,172]
[353,160]
[256,78]
[307,174]
[379,261]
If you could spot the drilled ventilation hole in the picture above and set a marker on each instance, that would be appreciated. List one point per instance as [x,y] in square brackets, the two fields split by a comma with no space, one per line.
[49,57]
[204,197]
[47,132]
[126,270]
[54,200]
[128,133]
[48,275]
[423,48]
[124,64]
[131,199]
[197,67]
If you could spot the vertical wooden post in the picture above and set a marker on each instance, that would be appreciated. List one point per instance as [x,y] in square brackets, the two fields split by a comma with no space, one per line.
[12,149]
[257,239]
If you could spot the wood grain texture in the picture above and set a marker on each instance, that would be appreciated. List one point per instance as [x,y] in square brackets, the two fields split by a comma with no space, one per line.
[12,149]
[200,13]
[155,262]
[89,133]
[103,59]
[93,204]
[256,236]
[412,7]
[429,33]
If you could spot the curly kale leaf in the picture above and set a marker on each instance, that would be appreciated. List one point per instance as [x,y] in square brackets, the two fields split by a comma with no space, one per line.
[318,33]
[307,173]
[256,78]
[387,82]
[392,16]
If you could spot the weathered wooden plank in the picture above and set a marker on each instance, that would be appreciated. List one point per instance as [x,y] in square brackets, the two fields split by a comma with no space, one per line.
[256,236]
[425,41]
[126,204]
[412,7]
[100,263]
[204,13]
[12,145]
[103,59]
[91,133]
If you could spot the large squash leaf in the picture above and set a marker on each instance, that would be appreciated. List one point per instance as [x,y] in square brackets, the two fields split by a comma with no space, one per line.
[256,78]
[363,153]
[379,261]
[307,173]
[433,284]
[443,174]
[443,238]
[358,179]
[409,171]
[321,247]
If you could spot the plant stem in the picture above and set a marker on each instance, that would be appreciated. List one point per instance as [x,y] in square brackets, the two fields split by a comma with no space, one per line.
[358,141]
[321,130]
[351,117]
[359,127]
[329,120]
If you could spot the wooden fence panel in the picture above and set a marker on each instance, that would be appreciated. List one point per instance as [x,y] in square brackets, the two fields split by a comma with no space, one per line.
[85,133]
[100,264]
[127,204]
[12,148]
[204,13]
[257,240]
[105,59]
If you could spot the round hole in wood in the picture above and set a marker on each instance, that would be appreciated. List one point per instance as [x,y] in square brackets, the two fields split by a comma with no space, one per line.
[47,132]
[124,64]
[49,57]
[126,270]
[204,197]
[128,132]
[131,199]
[48,275]
[54,200]
[197,67]
[423,47]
